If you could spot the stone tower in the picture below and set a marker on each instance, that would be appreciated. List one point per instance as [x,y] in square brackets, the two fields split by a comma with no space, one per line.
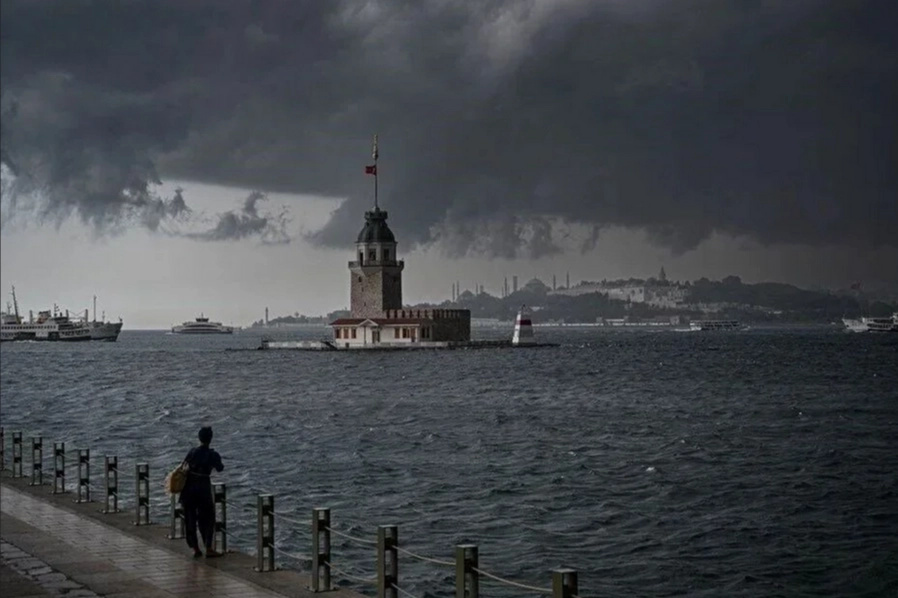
[376,283]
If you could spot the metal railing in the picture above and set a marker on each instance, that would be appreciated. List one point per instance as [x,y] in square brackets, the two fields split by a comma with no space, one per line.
[466,562]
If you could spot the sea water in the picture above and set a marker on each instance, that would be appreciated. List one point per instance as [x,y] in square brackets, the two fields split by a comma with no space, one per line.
[655,463]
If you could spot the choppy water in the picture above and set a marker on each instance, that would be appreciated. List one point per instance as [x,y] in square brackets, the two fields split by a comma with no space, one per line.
[760,463]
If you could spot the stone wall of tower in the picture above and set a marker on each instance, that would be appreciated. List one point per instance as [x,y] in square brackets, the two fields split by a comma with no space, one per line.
[374,289]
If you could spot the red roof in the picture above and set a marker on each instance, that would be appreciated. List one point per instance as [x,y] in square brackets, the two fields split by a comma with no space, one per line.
[380,321]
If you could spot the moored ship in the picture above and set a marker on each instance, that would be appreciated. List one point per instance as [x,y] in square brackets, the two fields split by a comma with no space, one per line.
[47,327]
[202,325]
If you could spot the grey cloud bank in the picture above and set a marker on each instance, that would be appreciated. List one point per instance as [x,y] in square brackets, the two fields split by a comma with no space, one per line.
[497,119]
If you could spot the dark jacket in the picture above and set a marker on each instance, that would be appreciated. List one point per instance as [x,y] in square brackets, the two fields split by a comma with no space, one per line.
[198,488]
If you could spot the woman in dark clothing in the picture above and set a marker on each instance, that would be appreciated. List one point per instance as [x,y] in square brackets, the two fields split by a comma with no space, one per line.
[199,505]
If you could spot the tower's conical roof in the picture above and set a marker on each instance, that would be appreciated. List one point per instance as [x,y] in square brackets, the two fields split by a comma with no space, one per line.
[376,229]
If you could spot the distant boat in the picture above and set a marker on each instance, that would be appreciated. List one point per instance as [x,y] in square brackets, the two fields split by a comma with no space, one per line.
[47,326]
[872,324]
[202,325]
[716,325]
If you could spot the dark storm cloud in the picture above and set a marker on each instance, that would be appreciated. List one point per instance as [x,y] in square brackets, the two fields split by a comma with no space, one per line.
[247,222]
[500,122]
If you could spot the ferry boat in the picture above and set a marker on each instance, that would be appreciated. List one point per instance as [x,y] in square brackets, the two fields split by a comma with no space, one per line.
[872,324]
[48,326]
[202,325]
[716,325]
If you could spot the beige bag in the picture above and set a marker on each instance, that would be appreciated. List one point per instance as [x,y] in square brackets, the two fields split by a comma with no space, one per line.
[175,480]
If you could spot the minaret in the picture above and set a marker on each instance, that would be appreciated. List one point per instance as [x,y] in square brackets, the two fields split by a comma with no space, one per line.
[376,283]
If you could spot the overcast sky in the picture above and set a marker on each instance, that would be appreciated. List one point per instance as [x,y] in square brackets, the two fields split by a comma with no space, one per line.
[177,157]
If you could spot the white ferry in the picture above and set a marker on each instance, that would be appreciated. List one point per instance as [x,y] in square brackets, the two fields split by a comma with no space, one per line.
[872,324]
[47,327]
[202,325]
[716,325]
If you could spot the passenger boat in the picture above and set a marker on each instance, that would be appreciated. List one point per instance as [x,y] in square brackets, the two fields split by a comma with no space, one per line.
[872,324]
[716,325]
[47,327]
[202,325]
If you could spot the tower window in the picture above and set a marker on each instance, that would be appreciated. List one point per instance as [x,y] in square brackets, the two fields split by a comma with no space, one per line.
[386,255]
[372,255]
[360,279]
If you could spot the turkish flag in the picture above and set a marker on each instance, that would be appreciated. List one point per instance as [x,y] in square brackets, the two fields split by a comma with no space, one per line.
[371,169]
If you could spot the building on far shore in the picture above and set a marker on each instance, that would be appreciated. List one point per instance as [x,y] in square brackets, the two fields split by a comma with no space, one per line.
[377,316]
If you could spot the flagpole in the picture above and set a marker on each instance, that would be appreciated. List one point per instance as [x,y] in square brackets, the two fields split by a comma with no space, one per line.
[374,155]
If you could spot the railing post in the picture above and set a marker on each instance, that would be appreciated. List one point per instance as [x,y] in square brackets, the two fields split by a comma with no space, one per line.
[220,496]
[58,468]
[16,454]
[142,492]
[265,536]
[387,561]
[37,461]
[564,583]
[111,475]
[83,475]
[467,580]
[321,550]
[178,525]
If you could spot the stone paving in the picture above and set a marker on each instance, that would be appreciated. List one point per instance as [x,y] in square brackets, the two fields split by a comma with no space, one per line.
[57,552]
[44,579]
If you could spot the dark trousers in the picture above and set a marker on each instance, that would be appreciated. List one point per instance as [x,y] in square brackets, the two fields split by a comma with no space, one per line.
[202,514]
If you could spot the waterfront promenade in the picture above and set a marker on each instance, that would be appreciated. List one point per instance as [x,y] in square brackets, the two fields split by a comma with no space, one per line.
[52,546]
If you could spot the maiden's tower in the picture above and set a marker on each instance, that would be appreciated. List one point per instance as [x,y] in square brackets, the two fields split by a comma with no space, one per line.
[377,316]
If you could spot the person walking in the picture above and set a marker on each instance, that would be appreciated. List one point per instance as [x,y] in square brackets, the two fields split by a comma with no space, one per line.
[196,497]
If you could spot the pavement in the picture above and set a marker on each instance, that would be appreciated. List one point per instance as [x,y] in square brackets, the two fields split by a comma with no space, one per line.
[51,546]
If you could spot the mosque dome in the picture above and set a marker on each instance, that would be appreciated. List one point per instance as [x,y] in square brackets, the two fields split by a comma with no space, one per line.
[376,229]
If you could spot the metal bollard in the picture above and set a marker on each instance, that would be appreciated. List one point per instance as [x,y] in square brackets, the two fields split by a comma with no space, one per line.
[265,537]
[467,580]
[177,530]
[58,468]
[37,461]
[321,550]
[142,492]
[16,454]
[83,475]
[220,496]
[387,561]
[111,474]
[564,583]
